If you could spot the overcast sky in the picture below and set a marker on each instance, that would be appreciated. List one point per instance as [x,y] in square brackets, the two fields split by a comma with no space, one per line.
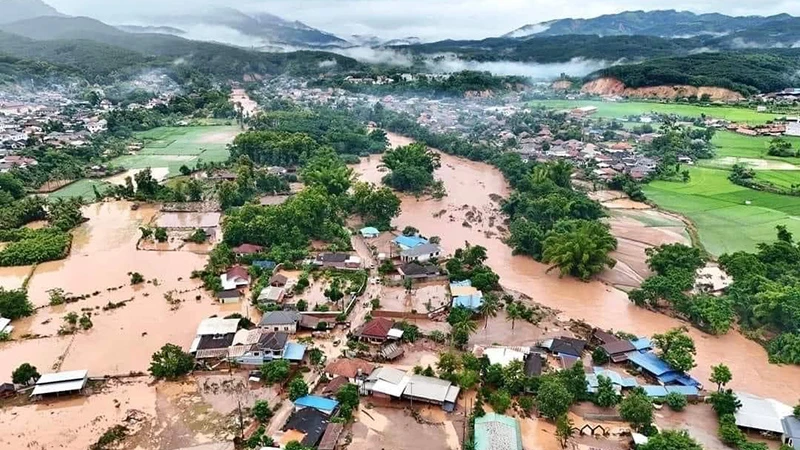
[427,19]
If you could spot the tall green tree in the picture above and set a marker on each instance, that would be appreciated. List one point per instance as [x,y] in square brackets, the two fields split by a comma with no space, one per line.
[637,408]
[676,348]
[171,362]
[579,248]
[553,398]
[720,375]
[671,440]
[24,374]
[606,396]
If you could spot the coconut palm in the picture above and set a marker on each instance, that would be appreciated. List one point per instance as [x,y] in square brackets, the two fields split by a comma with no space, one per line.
[512,314]
[489,308]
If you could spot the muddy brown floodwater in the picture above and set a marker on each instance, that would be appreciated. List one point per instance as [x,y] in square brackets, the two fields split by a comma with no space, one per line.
[122,339]
[471,189]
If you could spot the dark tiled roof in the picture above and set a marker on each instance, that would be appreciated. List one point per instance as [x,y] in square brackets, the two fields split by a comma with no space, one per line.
[247,249]
[349,367]
[309,421]
[238,271]
[533,365]
[333,386]
[279,318]
[273,341]
[618,347]
[569,346]
[413,269]
[333,257]
[214,342]
[605,337]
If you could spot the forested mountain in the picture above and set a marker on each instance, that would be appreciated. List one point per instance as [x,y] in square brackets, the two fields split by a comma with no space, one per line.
[669,23]
[101,52]
[270,28]
[550,49]
[745,72]
[14,10]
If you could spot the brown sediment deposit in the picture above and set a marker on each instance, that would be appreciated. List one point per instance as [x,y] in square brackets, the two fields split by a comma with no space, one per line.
[612,86]
[596,302]
[122,338]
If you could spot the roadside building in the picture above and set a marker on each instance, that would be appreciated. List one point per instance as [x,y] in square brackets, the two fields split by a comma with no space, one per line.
[214,336]
[376,331]
[247,249]
[565,346]
[235,277]
[70,382]
[324,405]
[331,437]
[791,432]
[660,370]
[762,415]
[308,423]
[338,261]
[432,390]
[409,242]
[354,370]
[271,295]
[284,321]
[497,432]
[421,253]
[229,296]
[417,271]
[466,296]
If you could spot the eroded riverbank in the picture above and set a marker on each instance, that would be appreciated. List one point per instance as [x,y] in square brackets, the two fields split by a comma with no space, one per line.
[473,187]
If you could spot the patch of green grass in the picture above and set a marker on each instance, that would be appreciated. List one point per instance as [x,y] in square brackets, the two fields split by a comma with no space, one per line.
[616,110]
[80,188]
[173,147]
[725,222]
[728,143]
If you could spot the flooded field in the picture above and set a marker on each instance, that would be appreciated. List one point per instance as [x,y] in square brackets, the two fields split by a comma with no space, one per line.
[470,188]
[421,297]
[129,322]
[188,220]
[249,106]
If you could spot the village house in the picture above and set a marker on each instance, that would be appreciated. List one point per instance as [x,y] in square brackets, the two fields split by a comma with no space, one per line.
[227,296]
[235,277]
[70,382]
[338,261]
[465,296]
[308,425]
[271,295]
[761,415]
[213,337]
[247,249]
[660,370]
[615,348]
[417,271]
[369,232]
[393,384]
[352,369]
[285,321]
[377,331]
[324,405]
[421,253]
[565,346]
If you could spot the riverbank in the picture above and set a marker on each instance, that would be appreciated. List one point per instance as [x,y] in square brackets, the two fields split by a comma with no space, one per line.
[474,186]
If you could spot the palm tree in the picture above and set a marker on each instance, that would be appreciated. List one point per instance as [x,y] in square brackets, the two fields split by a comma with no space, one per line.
[581,249]
[512,314]
[489,308]
[466,326]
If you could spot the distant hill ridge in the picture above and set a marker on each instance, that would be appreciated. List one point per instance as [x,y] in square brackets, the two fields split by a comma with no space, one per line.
[664,23]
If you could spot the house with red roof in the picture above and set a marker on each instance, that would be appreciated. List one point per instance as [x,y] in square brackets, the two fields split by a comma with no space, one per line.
[376,330]
[235,277]
[247,249]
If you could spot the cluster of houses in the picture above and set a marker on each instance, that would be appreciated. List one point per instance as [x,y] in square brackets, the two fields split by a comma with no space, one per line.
[608,158]
[219,339]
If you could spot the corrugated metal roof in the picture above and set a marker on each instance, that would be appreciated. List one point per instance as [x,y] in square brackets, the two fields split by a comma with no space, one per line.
[428,388]
[58,377]
[217,325]
[503,355]
[294,351]
[319,403]
[649,362]
[761,413]
[407,242]
[55,388]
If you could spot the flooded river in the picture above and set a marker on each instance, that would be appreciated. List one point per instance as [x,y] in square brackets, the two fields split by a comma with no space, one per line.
[470,214]
[122,339]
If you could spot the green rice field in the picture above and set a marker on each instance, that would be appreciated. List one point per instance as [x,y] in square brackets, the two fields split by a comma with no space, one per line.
[719,209]
[616,110]
[172,147]
[81,188]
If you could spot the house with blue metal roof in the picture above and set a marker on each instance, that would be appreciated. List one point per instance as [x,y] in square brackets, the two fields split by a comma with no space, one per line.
[264,264]
[619,382]
[324,405]
[409,242]
[655,391]
[464,295]
[660,370]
